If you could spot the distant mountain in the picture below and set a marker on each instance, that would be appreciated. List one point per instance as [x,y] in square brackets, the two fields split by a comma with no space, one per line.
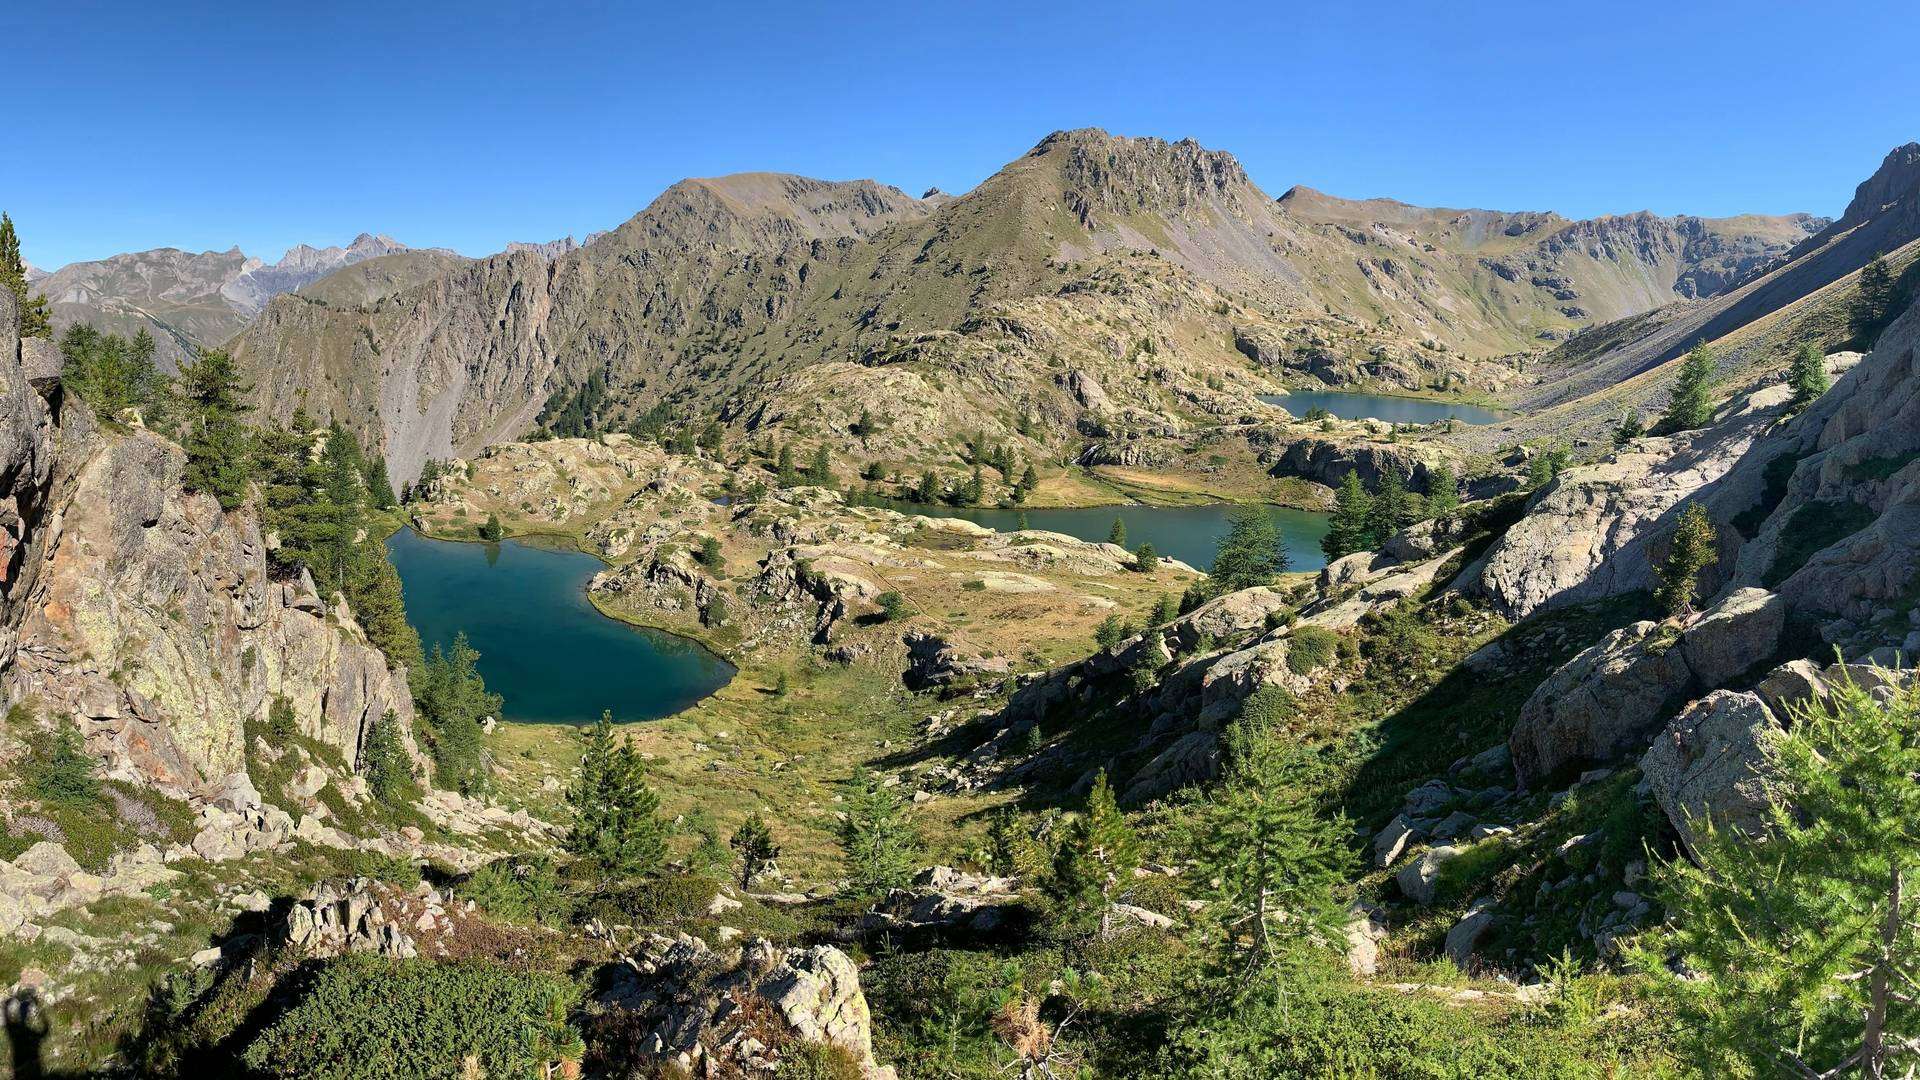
[187,300]
[1157,271]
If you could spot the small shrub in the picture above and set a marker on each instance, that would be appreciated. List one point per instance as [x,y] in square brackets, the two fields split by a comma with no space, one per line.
[418,1020]
[519,888]
[59,769]
[1311,648]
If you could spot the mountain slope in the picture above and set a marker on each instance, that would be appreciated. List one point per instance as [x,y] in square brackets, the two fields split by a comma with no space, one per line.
[725,288]
[187,300]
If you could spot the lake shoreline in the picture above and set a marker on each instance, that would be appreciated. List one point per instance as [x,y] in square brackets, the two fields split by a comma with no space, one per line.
[721,668]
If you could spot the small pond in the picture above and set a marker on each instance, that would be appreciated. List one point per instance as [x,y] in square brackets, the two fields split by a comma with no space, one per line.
[1383,407]
[543,646]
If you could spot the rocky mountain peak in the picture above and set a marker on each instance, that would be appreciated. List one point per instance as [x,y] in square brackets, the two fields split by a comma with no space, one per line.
[1896,181]
[1127,175]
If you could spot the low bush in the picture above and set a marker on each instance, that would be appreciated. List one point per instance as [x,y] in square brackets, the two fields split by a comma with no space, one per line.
[1311,648]
[413,1020]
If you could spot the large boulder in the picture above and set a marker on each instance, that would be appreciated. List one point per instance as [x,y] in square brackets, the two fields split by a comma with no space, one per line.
[1609,700]
[1710,764]
[1598,530]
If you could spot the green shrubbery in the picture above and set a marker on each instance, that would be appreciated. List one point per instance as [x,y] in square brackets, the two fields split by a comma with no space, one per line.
[1311,648]
[413,1020]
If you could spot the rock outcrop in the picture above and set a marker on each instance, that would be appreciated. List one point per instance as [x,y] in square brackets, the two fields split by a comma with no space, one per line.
[1609,700]
[677,1001]
[155,622]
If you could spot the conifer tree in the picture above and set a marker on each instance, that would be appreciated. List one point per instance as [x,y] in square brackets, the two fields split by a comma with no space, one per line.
[219,451]
[1118,533]
[753,841]
[35,320]
[1348,527]
[1443,492]
[876,837]
[1631,427]
[1029,479]
[974,491]
[1165,610]
[616,824]
[454,701]
[1874,302]
[1391,509]
[784,472]
[820,470]
[1011,847]
[1808,375]
[1800,948]
[1145,559]
[1252,553]
[1691,402]
[1692,549]
[1096,859]
[1276,867]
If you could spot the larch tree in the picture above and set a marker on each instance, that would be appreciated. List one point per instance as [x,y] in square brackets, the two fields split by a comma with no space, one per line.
[1798,948]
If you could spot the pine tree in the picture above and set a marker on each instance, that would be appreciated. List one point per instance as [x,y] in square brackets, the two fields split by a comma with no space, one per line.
[491,529]
[454,700]
[928,490]
[1443,492]
[1118,534]
[1029,480]
[35,321]
[616,824]
[1873,305]
[1348,528]
[1390,511]
[1145,559]
[1011,847]
[1808,375]
[784,472]
[820,470]
[389,772]
[218,445]
[754,843]
[876,837]
[1630,428]
[1691,402]
[1252,553]
[1692,549]
[974,491]
[1276,868]
[1801,947]
[1165,610]
[379,486]
[1096,860]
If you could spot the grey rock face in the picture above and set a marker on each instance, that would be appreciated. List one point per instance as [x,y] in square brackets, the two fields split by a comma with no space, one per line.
[1709,765]
[1611,698]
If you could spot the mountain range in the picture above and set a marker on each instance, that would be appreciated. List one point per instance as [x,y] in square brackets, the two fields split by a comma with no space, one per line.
[761,297]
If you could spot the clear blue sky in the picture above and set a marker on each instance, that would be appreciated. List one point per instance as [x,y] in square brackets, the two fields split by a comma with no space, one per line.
[202,125]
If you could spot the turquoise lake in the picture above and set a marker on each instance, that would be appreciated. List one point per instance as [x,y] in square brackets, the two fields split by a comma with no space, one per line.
[1383,407]
[543,647]
[1188,533]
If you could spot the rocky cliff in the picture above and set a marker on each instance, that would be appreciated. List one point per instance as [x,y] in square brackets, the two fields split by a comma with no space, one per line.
[147,615]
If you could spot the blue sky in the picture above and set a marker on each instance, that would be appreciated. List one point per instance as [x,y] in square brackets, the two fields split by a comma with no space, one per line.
[202,126]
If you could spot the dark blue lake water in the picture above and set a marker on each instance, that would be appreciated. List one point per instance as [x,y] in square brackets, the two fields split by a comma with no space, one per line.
[543,647]
[1382,407]
[1188,533]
